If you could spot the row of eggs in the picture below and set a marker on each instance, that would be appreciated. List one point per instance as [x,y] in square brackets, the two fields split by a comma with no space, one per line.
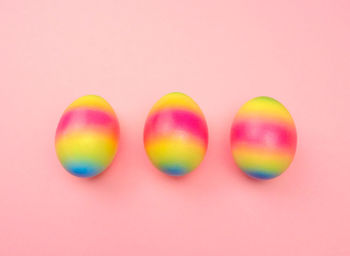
[263,136]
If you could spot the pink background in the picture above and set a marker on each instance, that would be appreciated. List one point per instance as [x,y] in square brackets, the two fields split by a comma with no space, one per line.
[222,53]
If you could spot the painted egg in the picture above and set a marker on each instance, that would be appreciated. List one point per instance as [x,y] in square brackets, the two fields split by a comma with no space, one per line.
[176,134]
[263,138]
[87,136]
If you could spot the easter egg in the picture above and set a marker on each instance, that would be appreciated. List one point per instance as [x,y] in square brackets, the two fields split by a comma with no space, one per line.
[263,138]
[176,134]
[87,136]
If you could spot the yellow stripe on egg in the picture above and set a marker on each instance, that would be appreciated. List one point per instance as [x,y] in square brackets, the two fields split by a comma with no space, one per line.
[93,102]
[251,158]
[82,145]
[265,108]
[169,151]
[176,100]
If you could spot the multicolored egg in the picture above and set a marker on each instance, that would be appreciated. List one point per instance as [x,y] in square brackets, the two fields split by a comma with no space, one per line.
[263,138]
[176,134]
[87,136]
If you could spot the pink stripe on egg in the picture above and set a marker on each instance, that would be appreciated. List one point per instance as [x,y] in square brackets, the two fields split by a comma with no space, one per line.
[264,133]
[86,117]
[165,122]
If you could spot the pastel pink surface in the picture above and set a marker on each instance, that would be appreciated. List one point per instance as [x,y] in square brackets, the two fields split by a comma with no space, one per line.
[220,53]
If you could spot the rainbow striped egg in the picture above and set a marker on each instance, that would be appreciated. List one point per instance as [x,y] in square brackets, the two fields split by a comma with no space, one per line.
[176,134]
[87,136]
[263,138]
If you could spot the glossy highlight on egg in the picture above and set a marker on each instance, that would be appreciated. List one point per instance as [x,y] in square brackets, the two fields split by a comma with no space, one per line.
[87,136]
[176,134]
[263,138]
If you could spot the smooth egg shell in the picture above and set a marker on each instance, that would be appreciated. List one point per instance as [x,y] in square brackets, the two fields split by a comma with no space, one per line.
[87,136]
[263,138]
[176,134]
